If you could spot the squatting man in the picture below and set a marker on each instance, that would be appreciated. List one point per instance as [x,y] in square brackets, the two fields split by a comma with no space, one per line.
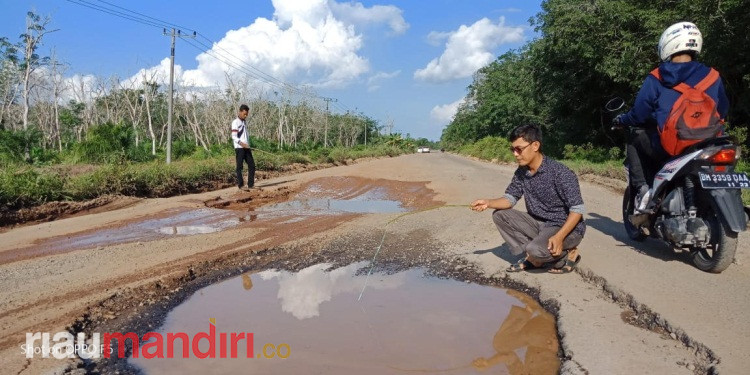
[552,226]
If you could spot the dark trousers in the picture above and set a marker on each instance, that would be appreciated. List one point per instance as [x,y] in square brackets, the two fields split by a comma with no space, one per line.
[245,155]
[523,233]
[644,156]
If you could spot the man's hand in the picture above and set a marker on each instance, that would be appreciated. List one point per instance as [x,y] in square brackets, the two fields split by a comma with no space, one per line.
[244,145]
[554,245]
[617,122]
[480,363]
[479,205]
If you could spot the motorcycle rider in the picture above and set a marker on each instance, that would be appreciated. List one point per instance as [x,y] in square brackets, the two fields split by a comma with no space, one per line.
[678,48]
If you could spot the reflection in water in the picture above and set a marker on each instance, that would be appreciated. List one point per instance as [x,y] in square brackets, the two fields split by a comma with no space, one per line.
[305,205]
[408,323]
[302,293]
[529,328]
[247,282]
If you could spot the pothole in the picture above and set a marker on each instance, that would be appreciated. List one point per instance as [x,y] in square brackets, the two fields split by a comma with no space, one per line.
[331,196]
[404,322]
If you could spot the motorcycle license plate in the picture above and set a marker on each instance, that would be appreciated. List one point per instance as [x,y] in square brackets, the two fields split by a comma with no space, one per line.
[724,180]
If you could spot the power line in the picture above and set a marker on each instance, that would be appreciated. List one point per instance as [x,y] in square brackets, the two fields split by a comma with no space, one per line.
[223,55]
[147,16]
[232,64]
[291,87]
[115,13]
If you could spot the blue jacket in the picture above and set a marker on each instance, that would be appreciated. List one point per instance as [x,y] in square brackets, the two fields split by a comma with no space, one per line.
[656,98]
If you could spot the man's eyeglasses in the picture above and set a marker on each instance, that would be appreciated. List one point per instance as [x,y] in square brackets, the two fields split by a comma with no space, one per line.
[518,149]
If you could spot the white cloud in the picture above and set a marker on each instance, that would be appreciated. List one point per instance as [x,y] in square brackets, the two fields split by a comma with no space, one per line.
[373,83]
[436,38]
[468,49]
[81,88]
[158,74]
[313,42]
[302,293]
[357,14]
[443,114]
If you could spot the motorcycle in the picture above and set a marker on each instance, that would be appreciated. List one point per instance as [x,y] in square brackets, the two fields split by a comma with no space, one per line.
[695,202]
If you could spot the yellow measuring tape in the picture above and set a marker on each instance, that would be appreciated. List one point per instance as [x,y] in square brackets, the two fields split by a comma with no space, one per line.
[372,263]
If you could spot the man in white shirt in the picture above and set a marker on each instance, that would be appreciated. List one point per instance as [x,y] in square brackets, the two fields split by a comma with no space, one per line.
[242,150]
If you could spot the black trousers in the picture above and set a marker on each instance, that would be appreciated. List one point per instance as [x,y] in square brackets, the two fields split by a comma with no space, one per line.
[245,155]
[644,156]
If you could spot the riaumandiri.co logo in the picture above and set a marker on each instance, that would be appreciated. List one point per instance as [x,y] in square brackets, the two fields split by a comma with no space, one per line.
[63,345]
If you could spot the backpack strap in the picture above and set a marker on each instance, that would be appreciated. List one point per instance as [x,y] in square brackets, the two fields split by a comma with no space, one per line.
[703,85]
[709,80]
[656,73]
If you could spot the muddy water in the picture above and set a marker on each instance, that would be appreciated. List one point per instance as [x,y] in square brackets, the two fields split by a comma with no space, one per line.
[404,323]
[322,197]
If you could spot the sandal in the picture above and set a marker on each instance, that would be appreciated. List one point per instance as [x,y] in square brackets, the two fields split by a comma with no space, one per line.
[522,265]
[565,265]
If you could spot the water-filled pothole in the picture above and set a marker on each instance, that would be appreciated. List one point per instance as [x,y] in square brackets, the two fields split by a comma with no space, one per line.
[321,197]
[405,322]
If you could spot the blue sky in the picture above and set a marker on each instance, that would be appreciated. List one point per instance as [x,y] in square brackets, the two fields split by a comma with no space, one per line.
[407,61]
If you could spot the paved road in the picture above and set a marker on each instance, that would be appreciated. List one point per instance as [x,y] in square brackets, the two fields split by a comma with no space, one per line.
[702,309]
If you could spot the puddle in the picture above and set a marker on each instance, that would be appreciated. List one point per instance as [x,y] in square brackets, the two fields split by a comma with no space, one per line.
[321,197]
[373,201]
[405,323]
[175,222]
[336,196]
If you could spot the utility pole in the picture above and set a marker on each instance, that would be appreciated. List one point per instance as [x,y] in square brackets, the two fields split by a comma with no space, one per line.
[174,33]
[356,114]
[281,134]
[325,135]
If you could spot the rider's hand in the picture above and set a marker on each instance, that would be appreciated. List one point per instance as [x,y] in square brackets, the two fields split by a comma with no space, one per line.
[479,205]
[617,122]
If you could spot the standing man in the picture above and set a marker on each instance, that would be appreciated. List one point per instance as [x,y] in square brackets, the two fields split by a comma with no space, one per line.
[553,225]
[242,150]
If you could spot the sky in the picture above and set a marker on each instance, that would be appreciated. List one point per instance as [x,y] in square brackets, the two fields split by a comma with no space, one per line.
[405,61]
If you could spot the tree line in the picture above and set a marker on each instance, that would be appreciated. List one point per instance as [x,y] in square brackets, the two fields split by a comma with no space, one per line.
[589,51]
[46,112]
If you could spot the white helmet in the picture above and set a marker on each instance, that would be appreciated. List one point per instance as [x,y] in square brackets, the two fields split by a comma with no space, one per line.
[680,37]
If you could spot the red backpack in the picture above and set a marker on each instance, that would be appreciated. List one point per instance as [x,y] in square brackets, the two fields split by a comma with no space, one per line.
[694,115]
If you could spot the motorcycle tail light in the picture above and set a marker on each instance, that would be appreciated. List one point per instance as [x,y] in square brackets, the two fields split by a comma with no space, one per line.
[724,156]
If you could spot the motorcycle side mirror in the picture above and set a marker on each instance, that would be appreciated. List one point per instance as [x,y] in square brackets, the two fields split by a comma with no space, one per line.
[615,104]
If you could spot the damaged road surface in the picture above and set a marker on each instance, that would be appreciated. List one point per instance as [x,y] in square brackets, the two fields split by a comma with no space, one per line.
[289,268]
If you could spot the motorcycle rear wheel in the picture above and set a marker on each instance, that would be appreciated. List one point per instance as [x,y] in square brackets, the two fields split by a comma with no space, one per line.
[628,207]
[720,252]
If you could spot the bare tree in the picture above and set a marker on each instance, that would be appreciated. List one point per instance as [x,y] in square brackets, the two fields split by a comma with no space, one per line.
[9,69]
[58,89]
[36,29]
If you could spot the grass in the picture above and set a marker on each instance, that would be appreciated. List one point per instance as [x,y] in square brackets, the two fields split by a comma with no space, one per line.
[27,186]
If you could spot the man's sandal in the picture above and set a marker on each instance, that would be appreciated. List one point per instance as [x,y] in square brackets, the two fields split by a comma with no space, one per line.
[522,265]
[565,265]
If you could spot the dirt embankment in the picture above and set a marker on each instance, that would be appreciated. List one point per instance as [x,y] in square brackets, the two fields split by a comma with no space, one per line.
[61,209]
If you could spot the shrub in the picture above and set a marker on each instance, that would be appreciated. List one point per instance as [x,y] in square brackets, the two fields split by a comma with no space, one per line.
[489,148]
[106,143]
[589,152]
[23,187]
[182,148]
[12,146]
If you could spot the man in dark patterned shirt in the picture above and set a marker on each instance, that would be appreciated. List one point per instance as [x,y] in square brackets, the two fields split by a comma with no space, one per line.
[552,226]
